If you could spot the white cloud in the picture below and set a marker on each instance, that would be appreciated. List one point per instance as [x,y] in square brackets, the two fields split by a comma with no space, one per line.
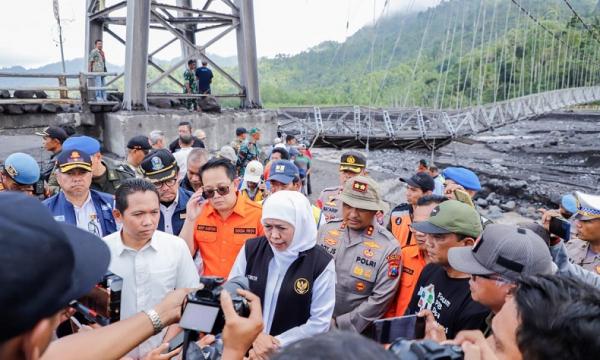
[282,26]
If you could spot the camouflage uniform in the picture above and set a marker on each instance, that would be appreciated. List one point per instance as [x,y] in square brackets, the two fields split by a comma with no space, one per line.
[110,181]
[248,151]
[189,77]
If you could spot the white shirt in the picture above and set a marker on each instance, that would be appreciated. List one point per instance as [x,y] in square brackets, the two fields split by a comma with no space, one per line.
[167,212]
[322,301]
[181,156]
[149,274]
[86,217]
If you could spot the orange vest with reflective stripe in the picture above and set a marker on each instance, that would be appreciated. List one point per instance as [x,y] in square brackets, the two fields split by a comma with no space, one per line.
[401,229]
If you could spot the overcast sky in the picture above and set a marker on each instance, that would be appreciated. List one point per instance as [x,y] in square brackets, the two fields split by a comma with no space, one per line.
[30,35]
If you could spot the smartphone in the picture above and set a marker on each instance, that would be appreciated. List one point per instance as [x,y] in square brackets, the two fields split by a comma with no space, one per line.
[463,197]
[561,228]
[176,342]
[409,327]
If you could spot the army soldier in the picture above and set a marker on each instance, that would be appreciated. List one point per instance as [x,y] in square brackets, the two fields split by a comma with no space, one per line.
[352,164]
[366,257]
[107,177]
[137,149]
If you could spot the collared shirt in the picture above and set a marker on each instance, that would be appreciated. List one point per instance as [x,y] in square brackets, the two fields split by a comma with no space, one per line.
[181,156]
[219,241]
[86,217]
[97,56]
[322,301]
[580,253]
[163,264]
[168,212]
[413,263]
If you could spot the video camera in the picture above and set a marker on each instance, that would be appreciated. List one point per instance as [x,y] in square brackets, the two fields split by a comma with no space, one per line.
[203,314]
[102,305]
[424,350]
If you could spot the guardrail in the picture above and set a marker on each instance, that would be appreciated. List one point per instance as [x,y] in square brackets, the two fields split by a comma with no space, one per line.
[83,89]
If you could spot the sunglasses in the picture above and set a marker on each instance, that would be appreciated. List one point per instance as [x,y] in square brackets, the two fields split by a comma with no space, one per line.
[210,193]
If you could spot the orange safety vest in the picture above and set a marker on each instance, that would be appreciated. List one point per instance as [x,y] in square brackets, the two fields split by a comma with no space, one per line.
[413,263]
[401,229]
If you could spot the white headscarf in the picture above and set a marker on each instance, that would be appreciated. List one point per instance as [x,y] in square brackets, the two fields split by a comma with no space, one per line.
[294,208]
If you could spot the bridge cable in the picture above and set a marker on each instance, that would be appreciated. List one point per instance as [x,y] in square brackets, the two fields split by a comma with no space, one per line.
[442,69]
[449,62]
[469,67]
[460,56]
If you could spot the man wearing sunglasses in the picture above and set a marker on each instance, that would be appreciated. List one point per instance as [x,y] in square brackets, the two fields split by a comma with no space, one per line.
[442,289]
[160,168]
[220,226]
[137,148]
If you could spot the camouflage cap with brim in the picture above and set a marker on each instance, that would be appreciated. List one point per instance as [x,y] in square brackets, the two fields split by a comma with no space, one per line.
[362,192]
[451,217]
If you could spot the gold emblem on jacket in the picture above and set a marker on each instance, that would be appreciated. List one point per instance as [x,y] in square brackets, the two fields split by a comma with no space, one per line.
[301,286]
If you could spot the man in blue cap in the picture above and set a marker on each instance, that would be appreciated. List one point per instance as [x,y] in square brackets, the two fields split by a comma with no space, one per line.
[285,175]
[460,178]
[106,177]
[19,173]
[76,204]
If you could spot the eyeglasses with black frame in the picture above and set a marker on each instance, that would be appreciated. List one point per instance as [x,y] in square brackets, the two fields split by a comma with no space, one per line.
[168,182]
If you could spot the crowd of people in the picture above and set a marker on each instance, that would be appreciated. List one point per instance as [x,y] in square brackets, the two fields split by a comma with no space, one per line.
[319,274]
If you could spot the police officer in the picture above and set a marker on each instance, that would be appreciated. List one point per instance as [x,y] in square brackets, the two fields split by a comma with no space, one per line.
[585,249]
[76,204]
[19,173]
[137,149]
[160,168]
[352,164]
[106,176]
[366,257]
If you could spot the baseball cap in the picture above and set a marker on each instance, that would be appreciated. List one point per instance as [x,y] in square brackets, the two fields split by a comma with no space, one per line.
[254,130]
[73,159]
[159,165]
[588,206]
[420,180]
[569,203]
[253,172]
[54,132]
[353,161]
[87,144]
[362,192]
[228,153]
[22,168]
[44,264]
[463,177]
[451,217]
[283,171]
[508,250]
[139,142]
[241,130]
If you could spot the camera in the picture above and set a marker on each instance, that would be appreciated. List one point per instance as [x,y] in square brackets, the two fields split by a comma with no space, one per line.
[203,313]
[424,350]
[102,305]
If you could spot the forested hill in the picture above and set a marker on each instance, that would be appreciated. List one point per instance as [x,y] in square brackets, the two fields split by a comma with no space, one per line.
[489,43]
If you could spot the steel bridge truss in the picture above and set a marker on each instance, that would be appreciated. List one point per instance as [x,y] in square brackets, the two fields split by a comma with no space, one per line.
[406,128]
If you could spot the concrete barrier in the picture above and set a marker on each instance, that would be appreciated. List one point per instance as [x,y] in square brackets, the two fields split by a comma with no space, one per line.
[119,127]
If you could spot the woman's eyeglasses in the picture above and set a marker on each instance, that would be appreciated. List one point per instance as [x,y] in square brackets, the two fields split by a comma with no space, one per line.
[210,193]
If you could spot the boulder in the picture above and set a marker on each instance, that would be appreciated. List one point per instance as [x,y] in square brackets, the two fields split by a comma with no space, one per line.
[494,212]
[24,94]
[508,206]
[49,108]
[40,94]
[14,109]
[4,94]
[481,202]
[31,108]
[209,104]
[160,103]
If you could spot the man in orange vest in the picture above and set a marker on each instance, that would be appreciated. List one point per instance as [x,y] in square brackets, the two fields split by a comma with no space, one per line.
[417,186]
[219,226]
[414,256]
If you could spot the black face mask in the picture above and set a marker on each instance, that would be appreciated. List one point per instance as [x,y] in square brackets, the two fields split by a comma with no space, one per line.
[186,139]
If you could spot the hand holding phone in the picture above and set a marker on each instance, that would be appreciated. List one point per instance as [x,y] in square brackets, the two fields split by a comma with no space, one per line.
[408,327]
[560,227]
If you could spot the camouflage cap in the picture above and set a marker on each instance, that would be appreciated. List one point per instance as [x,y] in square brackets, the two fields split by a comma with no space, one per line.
[362,192]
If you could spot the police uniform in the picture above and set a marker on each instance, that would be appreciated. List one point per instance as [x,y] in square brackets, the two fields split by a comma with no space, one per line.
[367,263]
[588,209]
[141,143]
[328,200]
[23,170]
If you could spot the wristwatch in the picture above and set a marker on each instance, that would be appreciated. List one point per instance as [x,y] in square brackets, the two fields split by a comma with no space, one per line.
[156,323]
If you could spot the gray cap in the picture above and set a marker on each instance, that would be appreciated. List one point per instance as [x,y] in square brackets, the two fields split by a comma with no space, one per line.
[508,250]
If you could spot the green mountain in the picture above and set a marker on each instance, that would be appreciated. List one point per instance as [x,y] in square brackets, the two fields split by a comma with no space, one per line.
[452,55]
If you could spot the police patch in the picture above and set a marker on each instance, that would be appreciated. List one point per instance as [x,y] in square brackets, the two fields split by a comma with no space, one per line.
[157,163]
[359,186]
[368,253]
[301,286]
[360,286]
[372,244]
[330,241]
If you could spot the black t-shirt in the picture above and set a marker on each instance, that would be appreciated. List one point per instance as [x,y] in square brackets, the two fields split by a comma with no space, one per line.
[174,146]
[449,300]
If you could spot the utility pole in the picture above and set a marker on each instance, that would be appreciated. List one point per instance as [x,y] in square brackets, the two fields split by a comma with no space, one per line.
[60,39]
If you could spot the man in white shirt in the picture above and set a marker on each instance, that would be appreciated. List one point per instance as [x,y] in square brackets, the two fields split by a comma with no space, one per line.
[182,153]
[151,262]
